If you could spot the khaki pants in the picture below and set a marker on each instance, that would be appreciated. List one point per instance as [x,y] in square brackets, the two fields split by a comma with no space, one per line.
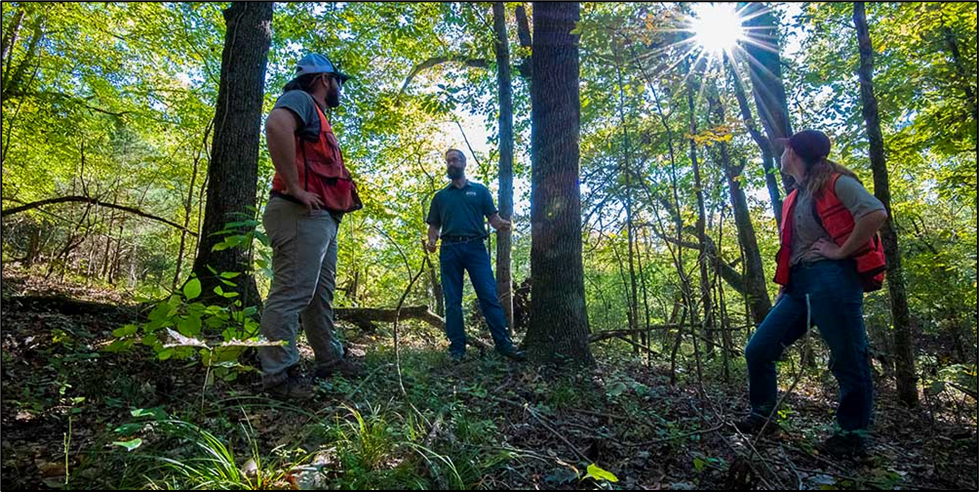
[304,262]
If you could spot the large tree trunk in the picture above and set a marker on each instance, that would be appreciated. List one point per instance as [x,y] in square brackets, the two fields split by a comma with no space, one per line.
[559,321]
[504,238]
[765,71]
[756,288]
[900,314]
[233,171]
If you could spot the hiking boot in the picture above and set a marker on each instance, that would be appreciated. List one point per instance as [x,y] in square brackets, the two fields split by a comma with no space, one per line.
[293,388]
[347,368]
[845,445]
[513,353]
[754,423]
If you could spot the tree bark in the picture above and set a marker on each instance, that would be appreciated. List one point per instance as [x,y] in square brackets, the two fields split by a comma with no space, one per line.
[900,313]
[559,322]
[626,173]
[705,297]
[233,171]
[754,276]
[764,144]
[765,71]
[504,238]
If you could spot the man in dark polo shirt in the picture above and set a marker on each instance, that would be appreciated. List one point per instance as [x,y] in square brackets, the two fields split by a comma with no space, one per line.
[459,211]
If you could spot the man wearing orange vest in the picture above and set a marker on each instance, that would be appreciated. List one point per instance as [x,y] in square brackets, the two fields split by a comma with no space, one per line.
[830,255]
[311,191]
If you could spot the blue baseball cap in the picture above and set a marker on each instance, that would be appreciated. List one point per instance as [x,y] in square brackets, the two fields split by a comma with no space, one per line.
[316,63]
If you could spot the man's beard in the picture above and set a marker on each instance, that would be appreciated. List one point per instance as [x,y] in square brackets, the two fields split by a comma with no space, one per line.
[454,173]
[333,99]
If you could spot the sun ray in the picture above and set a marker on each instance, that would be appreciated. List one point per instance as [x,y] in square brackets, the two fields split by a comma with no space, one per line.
[716,27]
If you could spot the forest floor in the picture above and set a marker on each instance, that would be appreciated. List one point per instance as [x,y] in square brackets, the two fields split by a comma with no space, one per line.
[74,416]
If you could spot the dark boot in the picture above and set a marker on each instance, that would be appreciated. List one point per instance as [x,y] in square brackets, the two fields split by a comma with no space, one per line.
[754,423]
[293,388]
[845,445]
[347,368]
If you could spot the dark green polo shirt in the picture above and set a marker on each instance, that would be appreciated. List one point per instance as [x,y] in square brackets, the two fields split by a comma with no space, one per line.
[461,211]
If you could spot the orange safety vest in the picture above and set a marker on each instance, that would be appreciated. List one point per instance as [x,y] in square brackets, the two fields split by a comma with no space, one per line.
[838,222]
[321,171]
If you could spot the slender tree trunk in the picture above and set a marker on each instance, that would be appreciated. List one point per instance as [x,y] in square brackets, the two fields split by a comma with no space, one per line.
[964,80]
[107,254]
[645,300]
[705,297]
[504,275]
[765,72]
[900,313]
[34,247]
[233,170]
[754,276]
[765,145]
[627,175]
[559,320]
[117,258]
[722,308]
[523,35]
[188,208]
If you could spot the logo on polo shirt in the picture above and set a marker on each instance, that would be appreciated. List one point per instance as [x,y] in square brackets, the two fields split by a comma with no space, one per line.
[470,193]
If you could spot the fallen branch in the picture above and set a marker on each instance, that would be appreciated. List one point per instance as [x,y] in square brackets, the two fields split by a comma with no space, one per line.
[678,436]
[605,335]
[365,318]
[93,201]
[964,390]
[533,414]
[637,346]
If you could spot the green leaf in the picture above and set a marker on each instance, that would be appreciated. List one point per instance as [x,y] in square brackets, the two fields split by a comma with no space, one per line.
[156,412]
[126,429]
[125,331]
[189,326]
[230,274]
[129,445]
[192,289]
[165,354]
[616,389]
[119,346]
[598,474]
[227,295]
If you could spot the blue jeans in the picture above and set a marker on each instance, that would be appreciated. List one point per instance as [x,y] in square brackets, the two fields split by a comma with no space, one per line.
[836,300]
[456,258]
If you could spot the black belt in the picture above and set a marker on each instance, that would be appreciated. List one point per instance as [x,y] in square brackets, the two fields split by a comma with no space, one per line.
[461,239]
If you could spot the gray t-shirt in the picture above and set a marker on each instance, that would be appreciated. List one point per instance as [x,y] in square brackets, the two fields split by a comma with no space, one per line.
[303,107]
[806,230]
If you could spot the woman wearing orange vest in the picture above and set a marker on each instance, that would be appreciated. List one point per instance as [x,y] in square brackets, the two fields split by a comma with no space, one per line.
[830,255]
